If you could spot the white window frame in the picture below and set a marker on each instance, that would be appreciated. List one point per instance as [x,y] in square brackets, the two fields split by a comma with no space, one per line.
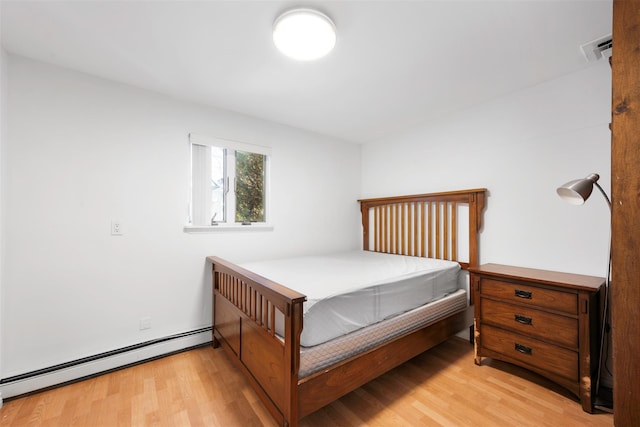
[230,203]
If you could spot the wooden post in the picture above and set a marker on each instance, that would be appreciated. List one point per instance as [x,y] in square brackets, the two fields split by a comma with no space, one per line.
[625,182]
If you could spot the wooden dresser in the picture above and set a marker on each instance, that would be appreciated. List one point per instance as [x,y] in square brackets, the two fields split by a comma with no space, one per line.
[544,321]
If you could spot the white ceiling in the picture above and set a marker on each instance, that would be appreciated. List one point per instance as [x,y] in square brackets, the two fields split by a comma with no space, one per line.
[396,63]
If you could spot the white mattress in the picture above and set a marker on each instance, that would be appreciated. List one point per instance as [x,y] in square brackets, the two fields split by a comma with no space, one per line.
[348,291]
[314,359]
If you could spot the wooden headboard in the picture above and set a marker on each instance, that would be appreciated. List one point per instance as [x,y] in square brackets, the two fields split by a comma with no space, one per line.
[424,225]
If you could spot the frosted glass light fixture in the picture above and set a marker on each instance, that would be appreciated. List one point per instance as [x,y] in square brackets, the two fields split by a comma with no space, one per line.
[304,34]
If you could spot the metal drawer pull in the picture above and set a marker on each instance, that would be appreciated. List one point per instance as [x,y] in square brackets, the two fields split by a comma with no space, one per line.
[523,319]
[523,294]
[523,349]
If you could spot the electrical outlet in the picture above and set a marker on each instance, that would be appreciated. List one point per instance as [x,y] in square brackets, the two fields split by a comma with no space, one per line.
[116,228]
[145,323]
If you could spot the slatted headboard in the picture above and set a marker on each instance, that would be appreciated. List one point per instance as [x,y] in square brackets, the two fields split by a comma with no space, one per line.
[425,225]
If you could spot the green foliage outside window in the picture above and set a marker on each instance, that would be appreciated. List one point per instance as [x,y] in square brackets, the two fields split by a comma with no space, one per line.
[250,191]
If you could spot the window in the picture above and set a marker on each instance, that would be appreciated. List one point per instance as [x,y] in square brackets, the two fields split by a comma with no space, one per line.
[229,182]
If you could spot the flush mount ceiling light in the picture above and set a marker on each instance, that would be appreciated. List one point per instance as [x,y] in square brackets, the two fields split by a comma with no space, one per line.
[304,34]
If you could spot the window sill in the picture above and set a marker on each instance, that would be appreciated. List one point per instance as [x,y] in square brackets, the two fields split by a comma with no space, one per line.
[226,227]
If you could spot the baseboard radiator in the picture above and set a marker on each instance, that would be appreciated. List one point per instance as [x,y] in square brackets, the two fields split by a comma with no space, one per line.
[91,366]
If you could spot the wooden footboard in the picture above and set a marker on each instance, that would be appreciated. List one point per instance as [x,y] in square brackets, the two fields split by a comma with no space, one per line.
[247,307]
[245,311]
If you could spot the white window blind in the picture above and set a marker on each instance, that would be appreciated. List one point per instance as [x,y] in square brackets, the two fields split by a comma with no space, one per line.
[200,184]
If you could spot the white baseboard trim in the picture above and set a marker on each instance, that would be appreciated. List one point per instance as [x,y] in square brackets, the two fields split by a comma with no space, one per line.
[114,360]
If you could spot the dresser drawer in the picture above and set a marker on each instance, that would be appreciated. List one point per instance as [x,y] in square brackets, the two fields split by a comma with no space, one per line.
[565,302]
[531,352]
[553,328]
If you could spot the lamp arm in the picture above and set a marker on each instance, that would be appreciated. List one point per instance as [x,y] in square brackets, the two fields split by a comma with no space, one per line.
[603,194]
[606,314]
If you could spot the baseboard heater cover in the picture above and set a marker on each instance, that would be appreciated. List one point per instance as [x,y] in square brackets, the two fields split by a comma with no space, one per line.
[100,363]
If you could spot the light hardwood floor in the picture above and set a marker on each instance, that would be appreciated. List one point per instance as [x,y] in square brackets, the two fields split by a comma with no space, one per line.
[201,388]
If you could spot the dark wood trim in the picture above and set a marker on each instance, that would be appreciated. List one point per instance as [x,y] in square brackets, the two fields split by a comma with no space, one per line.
[543,277]
[625,185]
[443,195]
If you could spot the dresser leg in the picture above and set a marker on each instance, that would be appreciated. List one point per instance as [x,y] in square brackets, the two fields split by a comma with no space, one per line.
[475,339]
[585,394]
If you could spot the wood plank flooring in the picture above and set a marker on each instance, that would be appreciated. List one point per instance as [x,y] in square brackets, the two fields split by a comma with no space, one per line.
[200,387]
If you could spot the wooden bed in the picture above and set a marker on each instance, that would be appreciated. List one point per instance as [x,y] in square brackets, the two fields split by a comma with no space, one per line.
[245,304]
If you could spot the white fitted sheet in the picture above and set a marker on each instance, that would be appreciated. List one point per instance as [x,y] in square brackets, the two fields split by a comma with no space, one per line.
[314,359]
[351,290]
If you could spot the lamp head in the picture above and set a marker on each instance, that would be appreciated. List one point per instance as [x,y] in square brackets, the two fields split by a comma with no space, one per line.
[578,191]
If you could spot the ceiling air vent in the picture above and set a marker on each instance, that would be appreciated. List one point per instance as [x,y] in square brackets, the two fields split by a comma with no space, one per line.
[596,49]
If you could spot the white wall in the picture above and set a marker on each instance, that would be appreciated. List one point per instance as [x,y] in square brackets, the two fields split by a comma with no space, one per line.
[521,147]
[81,151]
[3,91]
